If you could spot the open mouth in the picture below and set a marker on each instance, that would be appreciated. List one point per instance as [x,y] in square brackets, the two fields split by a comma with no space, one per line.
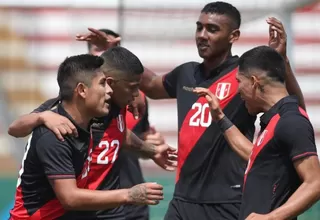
[107,102]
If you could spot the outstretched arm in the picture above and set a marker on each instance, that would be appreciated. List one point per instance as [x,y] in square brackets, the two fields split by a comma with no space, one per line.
[42,115]
[278,41]
[151,84]
[24,125]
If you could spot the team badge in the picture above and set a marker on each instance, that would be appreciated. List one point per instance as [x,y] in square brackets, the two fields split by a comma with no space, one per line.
[120,122]
[223,90]
[261,137]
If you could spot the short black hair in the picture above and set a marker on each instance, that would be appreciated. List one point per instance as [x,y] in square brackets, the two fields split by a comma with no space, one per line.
[76,69]
[266,59]
[223,8]
[121,59]
[108,32]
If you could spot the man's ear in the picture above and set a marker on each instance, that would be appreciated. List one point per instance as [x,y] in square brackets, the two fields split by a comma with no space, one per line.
[82,90]
[257,83]
[234,36]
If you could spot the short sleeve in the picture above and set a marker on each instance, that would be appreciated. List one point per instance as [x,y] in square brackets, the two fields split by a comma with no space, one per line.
[170,81]
[55,157]
[296,134]
[47,105]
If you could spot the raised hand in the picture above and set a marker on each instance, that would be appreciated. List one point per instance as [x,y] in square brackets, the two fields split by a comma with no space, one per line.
[58,124]
[213,101]
[165,157]
[100,39]
[145,194]
[277,36]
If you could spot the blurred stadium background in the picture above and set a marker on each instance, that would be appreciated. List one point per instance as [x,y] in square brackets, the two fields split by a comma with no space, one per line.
[35,36]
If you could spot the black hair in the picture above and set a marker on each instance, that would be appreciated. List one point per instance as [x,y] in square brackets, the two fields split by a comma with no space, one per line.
[108,32]
[266,59]
[224,8]
[121,59]
[76,69]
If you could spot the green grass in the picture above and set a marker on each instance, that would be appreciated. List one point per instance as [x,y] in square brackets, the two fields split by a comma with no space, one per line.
[7,190]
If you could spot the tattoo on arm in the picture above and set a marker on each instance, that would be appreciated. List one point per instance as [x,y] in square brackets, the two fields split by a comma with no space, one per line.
[132,142]
[138,193]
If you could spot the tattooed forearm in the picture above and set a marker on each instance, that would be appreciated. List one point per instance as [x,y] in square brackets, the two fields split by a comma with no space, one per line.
[132,142]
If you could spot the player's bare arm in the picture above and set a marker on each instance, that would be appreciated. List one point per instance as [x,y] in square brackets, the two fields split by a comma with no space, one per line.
[163,155]
[239,143]
[58,124]
[24,125]
[151,84]
[73,198]
[305,196]
[153,137]
[278,41]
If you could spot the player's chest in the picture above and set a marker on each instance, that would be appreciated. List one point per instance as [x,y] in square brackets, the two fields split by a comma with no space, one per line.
[106,143]
[265,148]
[194,111]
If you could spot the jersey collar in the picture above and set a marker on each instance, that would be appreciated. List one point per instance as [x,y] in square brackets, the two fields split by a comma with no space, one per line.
[231,60]
[266,117]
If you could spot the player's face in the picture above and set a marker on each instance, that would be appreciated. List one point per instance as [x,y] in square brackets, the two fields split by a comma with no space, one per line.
[98,96]
[249,93]
[214,35]
[124,90]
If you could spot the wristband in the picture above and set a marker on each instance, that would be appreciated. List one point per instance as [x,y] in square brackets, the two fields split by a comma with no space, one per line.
[224,124]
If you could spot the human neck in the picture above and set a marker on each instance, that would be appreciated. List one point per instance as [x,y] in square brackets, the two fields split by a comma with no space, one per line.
[272,96]
[77,113]
[214,62]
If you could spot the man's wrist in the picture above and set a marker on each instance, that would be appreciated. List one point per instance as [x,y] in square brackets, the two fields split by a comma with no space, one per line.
[125,194]
[224,124]
[272,216]
[148,150]
[220,116]
[41,118]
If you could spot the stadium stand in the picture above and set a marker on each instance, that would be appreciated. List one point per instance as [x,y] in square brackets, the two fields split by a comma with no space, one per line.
[37,38]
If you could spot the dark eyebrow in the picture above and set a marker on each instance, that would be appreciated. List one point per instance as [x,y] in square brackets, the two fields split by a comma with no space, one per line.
[215,26]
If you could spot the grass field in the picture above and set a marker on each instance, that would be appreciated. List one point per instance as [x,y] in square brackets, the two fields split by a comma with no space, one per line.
[7,188]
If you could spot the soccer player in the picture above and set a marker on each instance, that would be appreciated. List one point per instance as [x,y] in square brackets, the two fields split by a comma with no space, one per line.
[210,174]
[101,170]
[282,178]
[130,172]
[47,181]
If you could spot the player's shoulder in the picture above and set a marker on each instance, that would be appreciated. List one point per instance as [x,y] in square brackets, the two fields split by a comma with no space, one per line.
[43,137]
[292,120]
